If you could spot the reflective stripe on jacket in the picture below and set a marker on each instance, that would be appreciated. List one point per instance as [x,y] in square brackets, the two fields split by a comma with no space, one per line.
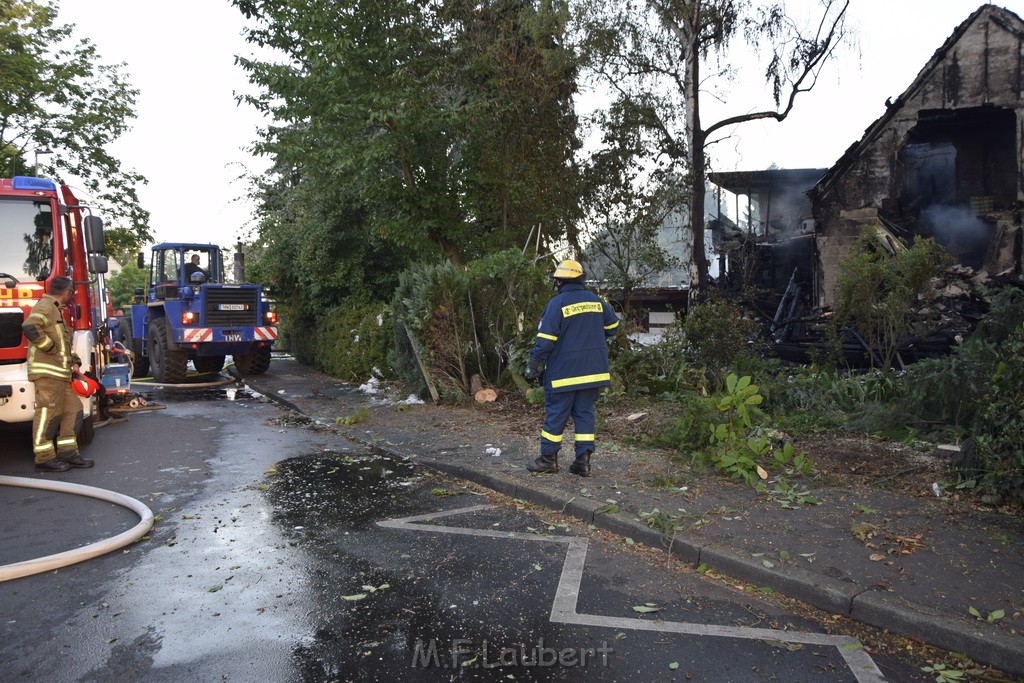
[49,348]
[571,340]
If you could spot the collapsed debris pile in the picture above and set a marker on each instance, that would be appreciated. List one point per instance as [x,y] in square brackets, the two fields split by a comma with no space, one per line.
[945,318]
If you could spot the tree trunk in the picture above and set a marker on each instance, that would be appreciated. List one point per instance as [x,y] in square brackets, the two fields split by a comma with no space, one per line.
[698,170]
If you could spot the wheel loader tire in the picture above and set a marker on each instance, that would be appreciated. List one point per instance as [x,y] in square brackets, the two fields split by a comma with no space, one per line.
[208,363]
[169,365]
[255,361]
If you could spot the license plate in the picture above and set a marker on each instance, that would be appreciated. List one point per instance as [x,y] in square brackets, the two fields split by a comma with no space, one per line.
[233,337]
[232,307]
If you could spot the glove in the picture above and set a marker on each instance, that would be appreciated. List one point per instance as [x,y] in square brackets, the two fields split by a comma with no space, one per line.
[534,370]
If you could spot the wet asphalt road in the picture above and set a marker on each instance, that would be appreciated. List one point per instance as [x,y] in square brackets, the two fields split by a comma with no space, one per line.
[268,563]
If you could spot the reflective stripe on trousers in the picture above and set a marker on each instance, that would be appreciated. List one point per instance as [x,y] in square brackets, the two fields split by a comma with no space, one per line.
[558,407]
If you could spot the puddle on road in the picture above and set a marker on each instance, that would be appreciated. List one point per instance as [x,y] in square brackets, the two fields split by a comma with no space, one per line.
[229,393]
[337,491]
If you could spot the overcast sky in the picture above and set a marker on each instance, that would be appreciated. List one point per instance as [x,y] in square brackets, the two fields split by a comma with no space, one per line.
[190,135]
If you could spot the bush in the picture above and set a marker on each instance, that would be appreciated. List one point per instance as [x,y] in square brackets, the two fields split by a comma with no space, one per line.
[999,430]
[353,342]
[654,369]
[479,319]
[717,335]
[879,292]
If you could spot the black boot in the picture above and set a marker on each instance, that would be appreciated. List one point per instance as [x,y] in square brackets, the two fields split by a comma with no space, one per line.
[76,460]
[544,465]
[54,465]
[581,465]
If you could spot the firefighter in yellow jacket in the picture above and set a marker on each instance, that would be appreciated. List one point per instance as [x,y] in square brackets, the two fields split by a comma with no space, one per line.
[50,362]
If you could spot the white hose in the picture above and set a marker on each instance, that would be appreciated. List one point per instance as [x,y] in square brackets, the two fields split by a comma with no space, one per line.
[86,552]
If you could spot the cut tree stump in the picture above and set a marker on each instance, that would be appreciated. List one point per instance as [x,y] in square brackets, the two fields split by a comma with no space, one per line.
[485,395]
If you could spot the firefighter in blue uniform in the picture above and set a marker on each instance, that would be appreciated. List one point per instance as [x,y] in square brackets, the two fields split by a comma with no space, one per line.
[571,354]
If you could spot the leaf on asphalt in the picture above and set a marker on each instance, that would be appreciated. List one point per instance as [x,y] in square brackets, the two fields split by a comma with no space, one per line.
[630,541]
[214,589]
[610,508]
[876,557]
[537,567]
[863,531]
[108,641]
[620,635]
[646,609]
[768,563]
[357,596]
[470,662]
[674,665]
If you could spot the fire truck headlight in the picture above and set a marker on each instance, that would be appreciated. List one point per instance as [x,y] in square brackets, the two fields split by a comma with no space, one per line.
[270,317]
[188,318]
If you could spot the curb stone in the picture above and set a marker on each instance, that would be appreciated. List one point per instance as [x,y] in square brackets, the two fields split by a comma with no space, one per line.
[981,642]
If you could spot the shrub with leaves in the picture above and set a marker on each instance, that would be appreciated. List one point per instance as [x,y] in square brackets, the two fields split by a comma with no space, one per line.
[654,369]
[352,342]
[879,292]
[739,450]
[999,428]
[717,334]
[477,319]
[507,295]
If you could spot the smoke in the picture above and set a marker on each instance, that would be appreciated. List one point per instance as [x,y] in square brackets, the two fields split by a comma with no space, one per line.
[959,230]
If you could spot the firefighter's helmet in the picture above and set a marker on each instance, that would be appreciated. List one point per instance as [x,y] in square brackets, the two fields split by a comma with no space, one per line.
[568,270]
[84,386]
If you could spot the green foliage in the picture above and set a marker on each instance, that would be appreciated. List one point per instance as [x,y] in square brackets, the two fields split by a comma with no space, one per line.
[362,414]
[927,401]
[717,334]
[450,124]
[56,95]
[478,319]
[353,342]
[508,292]
[999,427]
[737,449]
[689,431]
[879,292]
[122,285]
[627,205]
[944,673]
[655,369]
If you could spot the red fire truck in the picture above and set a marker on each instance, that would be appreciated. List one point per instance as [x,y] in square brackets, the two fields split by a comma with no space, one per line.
[45,232]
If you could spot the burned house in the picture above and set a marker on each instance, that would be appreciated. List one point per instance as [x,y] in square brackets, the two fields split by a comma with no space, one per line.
[945,160]
[775,236]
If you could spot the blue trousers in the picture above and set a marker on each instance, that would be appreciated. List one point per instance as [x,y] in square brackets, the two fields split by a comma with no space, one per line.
[558,406]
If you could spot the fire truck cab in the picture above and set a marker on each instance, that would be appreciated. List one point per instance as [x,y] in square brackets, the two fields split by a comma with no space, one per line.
[44,233]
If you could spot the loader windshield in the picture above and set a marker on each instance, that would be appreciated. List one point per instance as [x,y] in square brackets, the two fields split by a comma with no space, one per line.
[26,236]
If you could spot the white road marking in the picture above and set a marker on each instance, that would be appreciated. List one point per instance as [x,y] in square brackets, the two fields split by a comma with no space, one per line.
[563,610]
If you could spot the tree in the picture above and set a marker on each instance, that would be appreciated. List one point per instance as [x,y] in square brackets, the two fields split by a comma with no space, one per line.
[628,206]
[652,53]
[449,124]
[122,285]
[60,106]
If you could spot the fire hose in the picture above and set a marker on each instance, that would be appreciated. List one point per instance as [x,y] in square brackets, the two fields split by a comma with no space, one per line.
[86,552]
